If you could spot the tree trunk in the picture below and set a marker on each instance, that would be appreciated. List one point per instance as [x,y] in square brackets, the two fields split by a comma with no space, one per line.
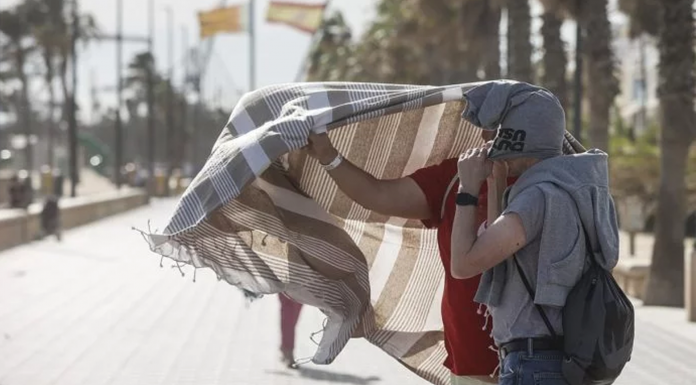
[463,63]
[65,111]
[555,60]
[183,134]
[602,85]
[433,67]
[50,75]
[491,64]
[519,41]
[25,110]
[677,59]
[465,70]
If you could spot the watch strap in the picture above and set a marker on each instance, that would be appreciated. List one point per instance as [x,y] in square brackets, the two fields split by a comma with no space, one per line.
[466,199]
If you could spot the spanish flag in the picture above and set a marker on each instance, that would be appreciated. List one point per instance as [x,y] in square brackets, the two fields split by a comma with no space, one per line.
[305,17]
[223,20]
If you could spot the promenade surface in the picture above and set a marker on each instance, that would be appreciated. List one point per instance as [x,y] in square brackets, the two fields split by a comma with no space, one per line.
[97,309]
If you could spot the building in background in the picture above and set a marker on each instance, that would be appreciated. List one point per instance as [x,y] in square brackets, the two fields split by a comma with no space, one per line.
[637,61]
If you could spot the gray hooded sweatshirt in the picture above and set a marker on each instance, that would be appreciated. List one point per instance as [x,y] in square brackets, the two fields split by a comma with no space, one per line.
[547,197]
[554,199]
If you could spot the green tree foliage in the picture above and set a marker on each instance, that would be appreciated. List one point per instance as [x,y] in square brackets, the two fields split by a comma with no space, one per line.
[413,41]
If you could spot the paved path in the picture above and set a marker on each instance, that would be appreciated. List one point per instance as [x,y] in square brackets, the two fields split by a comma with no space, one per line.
[97,309]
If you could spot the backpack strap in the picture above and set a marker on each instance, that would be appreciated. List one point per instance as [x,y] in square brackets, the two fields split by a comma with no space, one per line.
[444,198]
[531,294]
[530,290]
[589,250]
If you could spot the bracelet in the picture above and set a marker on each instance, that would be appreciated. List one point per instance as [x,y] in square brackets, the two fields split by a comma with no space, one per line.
[334,163]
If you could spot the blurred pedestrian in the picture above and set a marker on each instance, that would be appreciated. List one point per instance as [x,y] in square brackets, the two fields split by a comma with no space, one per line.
[18,198]
[289,315]
[50,218]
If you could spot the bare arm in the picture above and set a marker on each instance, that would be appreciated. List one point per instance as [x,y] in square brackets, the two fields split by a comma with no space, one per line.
[504,235]
[472,256]
[397,197]
[497,183]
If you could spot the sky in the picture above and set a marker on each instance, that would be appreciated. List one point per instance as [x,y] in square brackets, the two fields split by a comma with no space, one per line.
[280,49]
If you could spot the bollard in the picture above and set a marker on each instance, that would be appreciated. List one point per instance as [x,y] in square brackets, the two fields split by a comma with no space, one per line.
[181,184]
[46,180]
[160,184]
[690,285]
[131,173]
[172,185]
[58,183]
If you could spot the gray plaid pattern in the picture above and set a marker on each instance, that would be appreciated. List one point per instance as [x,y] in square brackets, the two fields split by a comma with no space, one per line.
[275,120]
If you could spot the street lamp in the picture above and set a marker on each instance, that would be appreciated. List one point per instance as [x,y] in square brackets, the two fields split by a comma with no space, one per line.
[120,38]
[170,94]
[118,159]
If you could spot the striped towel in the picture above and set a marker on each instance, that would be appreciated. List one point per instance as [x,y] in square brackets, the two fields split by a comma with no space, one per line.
[267,219]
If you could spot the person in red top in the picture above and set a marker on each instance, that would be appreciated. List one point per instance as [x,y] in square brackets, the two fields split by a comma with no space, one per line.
[470,358]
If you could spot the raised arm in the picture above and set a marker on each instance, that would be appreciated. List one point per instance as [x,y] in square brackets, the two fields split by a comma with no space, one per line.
[396,197]
[471,255]
[497,183]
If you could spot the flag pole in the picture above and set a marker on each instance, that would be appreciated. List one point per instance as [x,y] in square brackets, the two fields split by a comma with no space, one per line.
[118,128]
[316,37]
[252,48]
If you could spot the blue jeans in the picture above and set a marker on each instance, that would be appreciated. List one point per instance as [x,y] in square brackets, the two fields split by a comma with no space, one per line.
[540,368]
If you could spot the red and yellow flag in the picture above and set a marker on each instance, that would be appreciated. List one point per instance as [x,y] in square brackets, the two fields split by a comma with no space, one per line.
[223,20]
[305,17]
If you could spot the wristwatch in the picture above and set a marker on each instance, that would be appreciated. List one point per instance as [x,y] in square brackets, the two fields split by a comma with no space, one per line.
[466,199]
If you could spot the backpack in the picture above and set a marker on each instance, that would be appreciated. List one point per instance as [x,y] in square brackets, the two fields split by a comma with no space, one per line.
[598,325]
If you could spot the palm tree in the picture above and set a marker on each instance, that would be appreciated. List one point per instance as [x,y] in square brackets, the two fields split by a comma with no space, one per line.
[478,27]
[643,16]
[330,56]
[554,60]
[412,32]
[136,83]
[430,42]
[416,41]
[15,26]
[491,39]
[42,25]
[462,64]
[400,45]
[87,30]
[603,86]
[50,30]
[644,22]
[519,41]
[139,69]
[676,87]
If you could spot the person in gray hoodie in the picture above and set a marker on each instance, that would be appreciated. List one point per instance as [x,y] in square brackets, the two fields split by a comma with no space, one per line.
[541,224]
